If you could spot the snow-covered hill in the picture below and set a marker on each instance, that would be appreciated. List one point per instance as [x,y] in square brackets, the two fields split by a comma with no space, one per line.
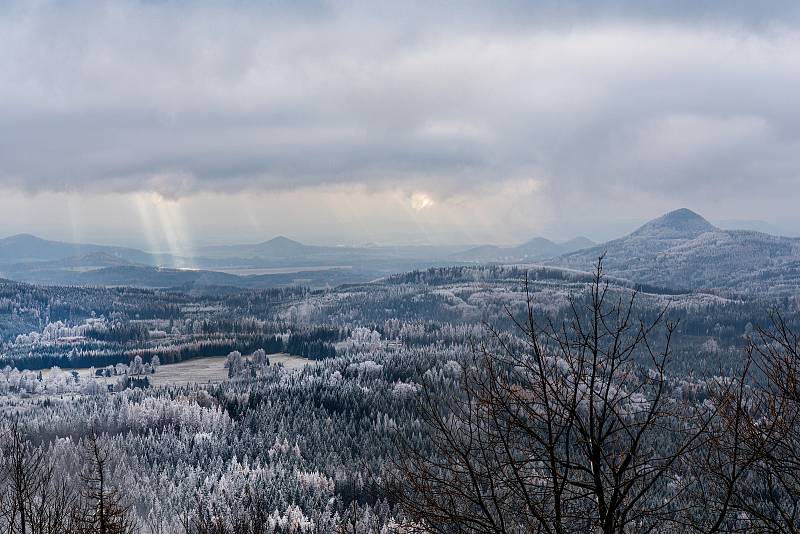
[683,250]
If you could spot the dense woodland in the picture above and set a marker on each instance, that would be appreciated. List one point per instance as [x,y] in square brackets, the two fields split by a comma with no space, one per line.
[351,441]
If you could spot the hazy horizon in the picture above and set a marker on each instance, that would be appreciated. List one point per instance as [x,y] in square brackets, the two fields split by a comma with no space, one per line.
[612,230]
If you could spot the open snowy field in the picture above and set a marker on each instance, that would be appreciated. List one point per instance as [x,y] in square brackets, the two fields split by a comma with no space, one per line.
[212,370]
[207,370]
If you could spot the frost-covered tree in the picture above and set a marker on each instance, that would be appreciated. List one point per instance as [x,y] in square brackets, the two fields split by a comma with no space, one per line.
[234,364]
[136,367]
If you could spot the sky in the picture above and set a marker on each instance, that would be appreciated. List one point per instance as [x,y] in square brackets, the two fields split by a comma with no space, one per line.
[168,124]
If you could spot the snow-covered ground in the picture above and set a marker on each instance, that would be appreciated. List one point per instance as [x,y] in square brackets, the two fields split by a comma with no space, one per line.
[210,369]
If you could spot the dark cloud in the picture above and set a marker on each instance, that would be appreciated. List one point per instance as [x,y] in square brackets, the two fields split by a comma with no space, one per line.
[179,97]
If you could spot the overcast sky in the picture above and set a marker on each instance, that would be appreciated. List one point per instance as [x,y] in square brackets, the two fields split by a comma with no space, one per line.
[166,124]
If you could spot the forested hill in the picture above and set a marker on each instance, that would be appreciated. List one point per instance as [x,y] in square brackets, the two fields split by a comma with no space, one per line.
[682,250]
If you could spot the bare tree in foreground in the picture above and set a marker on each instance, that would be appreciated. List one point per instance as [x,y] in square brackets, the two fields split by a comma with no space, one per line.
[104,510]
[34,499]
[753,466]
[571,429]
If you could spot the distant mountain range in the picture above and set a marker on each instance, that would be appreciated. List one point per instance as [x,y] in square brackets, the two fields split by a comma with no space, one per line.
[679,250]
[278,261]
[277,247]
[537,248]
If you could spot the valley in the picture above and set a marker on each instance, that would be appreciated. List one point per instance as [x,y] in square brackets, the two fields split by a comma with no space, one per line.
[307,388]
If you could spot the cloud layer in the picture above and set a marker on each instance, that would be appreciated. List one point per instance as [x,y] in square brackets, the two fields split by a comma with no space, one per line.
[588,99]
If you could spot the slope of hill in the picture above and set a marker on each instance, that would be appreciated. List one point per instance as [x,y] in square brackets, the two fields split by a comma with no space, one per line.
[25,248]
[683,250]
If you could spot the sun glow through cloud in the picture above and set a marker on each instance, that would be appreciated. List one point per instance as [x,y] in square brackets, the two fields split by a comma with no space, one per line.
[421,201]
